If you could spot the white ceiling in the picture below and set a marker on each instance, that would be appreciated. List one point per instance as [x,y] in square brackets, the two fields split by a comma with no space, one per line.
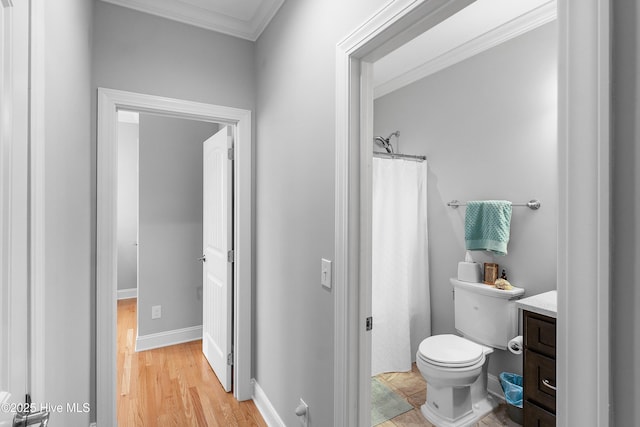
[478,27]
[240,18]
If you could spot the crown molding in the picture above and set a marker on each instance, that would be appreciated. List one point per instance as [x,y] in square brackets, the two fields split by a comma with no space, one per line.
[206,18]
[514,28]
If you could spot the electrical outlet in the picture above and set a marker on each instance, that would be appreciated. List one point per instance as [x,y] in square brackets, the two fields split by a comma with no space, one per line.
[156,312]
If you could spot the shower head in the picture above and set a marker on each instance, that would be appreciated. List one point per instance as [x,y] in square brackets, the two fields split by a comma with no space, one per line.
[385,143]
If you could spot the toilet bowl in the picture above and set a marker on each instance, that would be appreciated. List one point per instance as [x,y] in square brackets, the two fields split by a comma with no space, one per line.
[455,371]
[456,367]
[450,360]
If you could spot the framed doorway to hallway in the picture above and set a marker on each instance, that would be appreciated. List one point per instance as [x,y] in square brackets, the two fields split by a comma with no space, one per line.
[583,243]
[109,102]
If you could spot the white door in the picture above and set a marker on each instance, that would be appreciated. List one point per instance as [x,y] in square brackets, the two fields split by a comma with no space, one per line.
[217,242]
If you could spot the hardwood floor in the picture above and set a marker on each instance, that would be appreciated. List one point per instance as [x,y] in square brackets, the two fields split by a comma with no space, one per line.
[171,386]
[175,386]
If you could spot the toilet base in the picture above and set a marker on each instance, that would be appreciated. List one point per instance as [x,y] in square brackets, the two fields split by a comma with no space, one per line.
[480,409]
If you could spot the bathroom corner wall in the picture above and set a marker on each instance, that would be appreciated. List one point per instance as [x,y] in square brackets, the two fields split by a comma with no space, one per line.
[488,126]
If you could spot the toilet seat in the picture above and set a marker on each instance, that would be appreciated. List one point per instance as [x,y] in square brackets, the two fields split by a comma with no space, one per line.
[450,351]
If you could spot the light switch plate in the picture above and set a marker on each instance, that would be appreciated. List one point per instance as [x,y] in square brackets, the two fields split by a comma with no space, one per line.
[325,273]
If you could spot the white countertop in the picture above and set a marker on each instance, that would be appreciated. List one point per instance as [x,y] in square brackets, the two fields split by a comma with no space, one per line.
[545,304]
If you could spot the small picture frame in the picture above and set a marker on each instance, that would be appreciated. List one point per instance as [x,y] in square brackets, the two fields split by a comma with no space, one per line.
[490,273]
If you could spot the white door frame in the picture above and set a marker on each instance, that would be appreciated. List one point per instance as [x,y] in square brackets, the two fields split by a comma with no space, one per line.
[13,219]
[22,185]
[109,101]
[583,333]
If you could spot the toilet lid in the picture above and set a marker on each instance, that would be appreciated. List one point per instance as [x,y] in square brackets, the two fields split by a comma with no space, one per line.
[450,350]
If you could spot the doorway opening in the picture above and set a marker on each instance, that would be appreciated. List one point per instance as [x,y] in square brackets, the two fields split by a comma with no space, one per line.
[109,102]
[582,156]
[163,224]
[480,105]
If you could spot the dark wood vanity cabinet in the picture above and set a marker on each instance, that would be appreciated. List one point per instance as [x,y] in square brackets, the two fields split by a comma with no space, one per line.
[539,370]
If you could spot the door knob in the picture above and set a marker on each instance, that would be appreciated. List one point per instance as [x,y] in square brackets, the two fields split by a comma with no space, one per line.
[203,258]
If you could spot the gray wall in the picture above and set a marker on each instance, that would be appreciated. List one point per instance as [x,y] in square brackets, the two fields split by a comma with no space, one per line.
[295,74]
[170,230]
[68,219]
[488,126]
[142,53]
[127,205]
[625,352]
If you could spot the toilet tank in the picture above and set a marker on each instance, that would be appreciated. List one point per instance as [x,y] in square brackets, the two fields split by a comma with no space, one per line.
[485,314]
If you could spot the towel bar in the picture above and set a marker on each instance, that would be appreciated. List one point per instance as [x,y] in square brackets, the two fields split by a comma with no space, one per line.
[531,204]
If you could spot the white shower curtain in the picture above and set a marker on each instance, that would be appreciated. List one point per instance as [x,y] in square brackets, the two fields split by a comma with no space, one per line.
[400,290]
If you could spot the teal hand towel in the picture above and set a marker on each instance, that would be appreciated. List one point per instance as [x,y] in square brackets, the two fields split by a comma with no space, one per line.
[487,225]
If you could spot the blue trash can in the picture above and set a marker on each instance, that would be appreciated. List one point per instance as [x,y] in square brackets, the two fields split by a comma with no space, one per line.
[513,393]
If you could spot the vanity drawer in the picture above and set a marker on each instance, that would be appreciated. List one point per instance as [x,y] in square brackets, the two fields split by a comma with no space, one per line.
[540,380]
[535,416]
[540,333]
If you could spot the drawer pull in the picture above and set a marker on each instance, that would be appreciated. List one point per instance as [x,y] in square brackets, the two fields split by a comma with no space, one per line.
[547,383]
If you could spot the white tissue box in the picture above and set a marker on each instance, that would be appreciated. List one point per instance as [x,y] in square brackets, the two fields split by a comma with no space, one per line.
[469,272]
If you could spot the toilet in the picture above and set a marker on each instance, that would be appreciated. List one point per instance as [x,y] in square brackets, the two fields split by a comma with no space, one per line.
[455,367]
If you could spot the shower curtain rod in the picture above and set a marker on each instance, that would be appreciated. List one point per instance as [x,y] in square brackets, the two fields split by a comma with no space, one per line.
[400,156]
[531,204]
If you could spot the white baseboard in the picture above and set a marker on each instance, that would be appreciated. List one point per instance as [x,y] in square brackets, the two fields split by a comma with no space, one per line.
[265,407]
[165,339]
[494,387]
[127,293]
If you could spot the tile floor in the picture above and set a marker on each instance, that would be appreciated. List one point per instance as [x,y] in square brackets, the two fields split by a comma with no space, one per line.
[412,387]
